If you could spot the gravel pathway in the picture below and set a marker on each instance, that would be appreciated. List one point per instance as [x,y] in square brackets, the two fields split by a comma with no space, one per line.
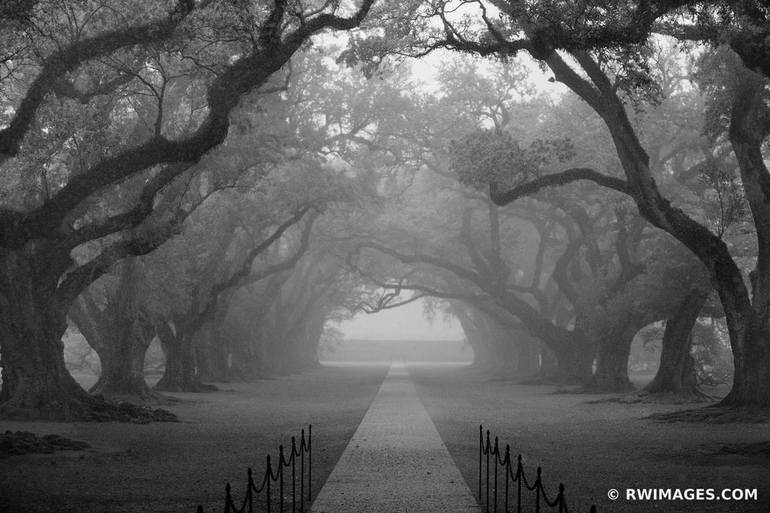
[396,461]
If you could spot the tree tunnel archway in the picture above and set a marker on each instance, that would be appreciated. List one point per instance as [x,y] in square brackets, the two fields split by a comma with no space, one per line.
[299,187]
[405,333]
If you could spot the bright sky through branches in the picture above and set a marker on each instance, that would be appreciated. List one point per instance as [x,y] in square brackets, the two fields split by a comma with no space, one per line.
[404,323]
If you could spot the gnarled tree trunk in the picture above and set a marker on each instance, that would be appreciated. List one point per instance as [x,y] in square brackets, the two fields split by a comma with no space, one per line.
[749,321]
[180,374]
[574,361]
[473,336]
[614,349]
[549,366]
[120,336]
[612,366]
[36,383]
[122,360]
[214,350]
[676,372]
[315,333]
[746,312]
[527,361]
[750,339]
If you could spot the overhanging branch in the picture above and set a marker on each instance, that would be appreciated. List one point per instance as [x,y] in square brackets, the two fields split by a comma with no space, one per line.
[69,58]
[223,95]
[503,198]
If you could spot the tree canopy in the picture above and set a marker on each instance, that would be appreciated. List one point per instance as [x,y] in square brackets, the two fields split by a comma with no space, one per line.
[232,177]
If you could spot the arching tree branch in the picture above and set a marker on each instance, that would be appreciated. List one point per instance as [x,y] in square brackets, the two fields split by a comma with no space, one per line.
[556,179]
[223,95]
[69,58]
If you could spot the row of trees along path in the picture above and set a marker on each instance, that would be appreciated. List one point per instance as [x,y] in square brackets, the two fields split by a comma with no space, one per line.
[215,175]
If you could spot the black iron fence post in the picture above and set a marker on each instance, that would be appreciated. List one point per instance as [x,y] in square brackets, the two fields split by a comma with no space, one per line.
[293,474]
[496,453]
[228,498]
[309,461]
[519,474]
[302,472]
[487,448]
[250,490]
[298,450]
[542,502]
[481,452]
[281,463]
[507,471]
[269,473]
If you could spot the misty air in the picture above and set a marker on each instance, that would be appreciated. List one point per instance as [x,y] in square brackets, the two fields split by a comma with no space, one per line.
[368,256]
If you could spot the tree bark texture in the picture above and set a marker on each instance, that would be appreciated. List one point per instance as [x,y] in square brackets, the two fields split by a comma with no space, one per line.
[36,383]
[676,372]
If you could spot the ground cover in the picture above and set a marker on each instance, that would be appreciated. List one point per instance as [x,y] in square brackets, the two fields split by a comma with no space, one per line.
[596,447]
[172,467]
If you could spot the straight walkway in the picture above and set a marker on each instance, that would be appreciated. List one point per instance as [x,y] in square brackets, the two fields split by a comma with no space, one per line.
[396,461]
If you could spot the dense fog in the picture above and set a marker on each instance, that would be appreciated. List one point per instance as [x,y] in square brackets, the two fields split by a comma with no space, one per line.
[478,207]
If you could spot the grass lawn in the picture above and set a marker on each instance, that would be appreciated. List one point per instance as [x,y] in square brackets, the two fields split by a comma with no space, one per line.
[594,447]
[590,447]
[172,467]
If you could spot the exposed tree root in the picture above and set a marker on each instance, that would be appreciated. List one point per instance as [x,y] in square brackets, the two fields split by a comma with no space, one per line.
[86,408]
[22,442]
[716,415]
[591,390]
[137,392]
[542,380]
[645,397]
[748,449]
[508,378]
[569,384]
[128,412]
[607,387]
[152,399]
[194,387]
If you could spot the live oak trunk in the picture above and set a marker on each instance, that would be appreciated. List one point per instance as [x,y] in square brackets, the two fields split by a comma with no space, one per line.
[36,383]
[215,350]
[315,333]
[747,316]
[527,362]
[612,368]
[120,335]
[122,360]
[180,374]
[612,361]
[549,366]
[175,375]
[574,360]
[482,357]
[575,365]
[481,353]
[32,312]
[307,356]
[750,338]
[748,321]
[746,312]
[504,349]
[676,372]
